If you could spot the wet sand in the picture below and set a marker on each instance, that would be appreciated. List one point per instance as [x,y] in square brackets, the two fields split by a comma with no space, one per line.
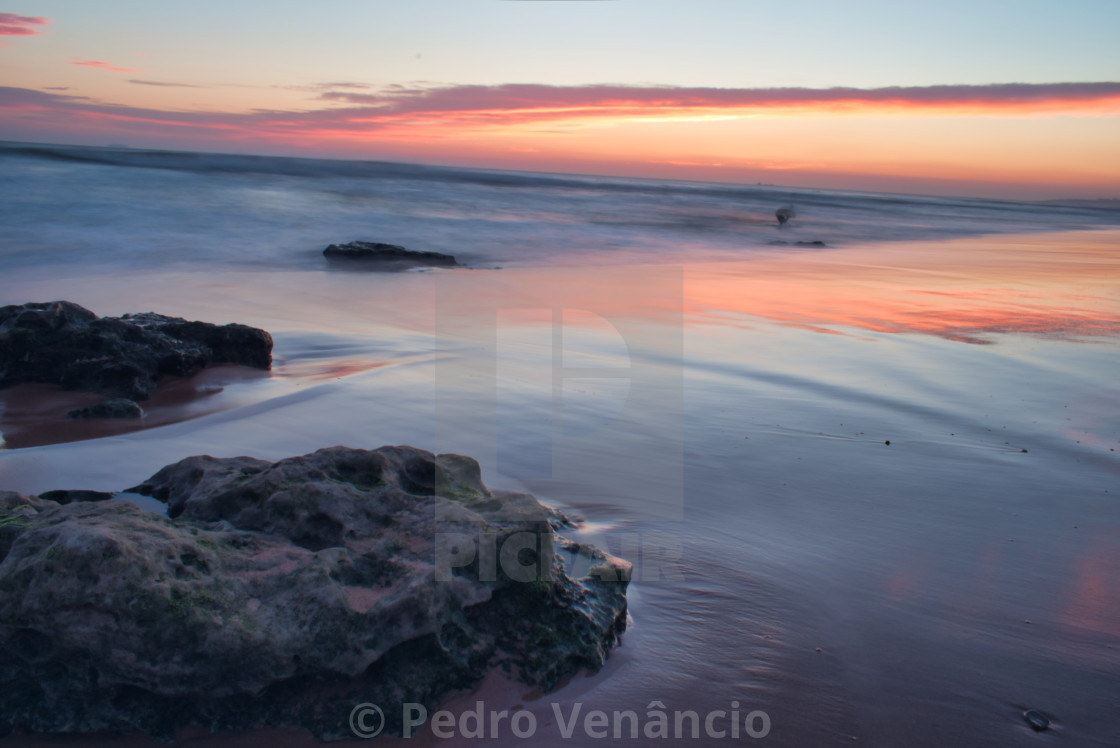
[923,592]
[36,414]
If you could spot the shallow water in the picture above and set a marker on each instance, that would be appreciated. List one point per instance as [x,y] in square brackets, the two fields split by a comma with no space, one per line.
[722,420]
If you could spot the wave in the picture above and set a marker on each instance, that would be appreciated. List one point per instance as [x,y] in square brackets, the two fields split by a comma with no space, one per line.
[124,207]
[868,203]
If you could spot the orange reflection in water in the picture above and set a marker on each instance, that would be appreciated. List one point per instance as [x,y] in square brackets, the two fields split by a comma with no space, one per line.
[1060,284]
[967,289]
[1094,597]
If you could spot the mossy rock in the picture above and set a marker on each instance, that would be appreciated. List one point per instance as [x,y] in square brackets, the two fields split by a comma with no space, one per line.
[281,594]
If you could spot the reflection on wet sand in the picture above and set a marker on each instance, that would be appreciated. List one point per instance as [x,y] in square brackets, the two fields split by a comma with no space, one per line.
[966,290]
[1093,604]
[35,414]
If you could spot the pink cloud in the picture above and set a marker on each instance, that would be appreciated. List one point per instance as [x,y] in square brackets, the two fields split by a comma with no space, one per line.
[400,110]
[105,66]
[13,25]
[514,104]
[520,102]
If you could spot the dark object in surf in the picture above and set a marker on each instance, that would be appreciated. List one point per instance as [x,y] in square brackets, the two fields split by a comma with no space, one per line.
[118,407]
[781,243]
[784,215]
[60,342]
[387,256]
[1038,721]
[63,496]
[281,594]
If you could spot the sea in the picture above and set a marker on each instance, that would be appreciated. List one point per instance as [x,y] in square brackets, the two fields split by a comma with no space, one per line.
[864,462]
[151,208]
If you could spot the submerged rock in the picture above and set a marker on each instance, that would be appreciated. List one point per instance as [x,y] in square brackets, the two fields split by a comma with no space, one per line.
[286,593]
[119,407]
[387,256]
[62,343]
[1038,721]
[780,243]
[64,496]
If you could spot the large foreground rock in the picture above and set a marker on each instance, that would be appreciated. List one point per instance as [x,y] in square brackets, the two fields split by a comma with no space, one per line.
[378,255]
[286,593]
[62,343]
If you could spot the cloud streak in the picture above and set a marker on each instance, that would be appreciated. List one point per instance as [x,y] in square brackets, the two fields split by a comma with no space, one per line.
[14,25]
[344,84]
[496,107]
[163,84]
[104,66]
[513,103]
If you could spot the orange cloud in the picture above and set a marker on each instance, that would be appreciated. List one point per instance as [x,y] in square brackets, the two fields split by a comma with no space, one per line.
[105,66]
[13,25]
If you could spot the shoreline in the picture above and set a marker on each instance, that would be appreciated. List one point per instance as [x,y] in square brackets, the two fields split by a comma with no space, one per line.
[34,415]
[814,557]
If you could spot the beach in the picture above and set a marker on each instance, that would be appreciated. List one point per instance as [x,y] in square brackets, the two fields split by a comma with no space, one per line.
[869,488]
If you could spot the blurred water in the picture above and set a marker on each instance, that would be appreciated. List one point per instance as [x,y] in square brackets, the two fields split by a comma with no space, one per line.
[146,209]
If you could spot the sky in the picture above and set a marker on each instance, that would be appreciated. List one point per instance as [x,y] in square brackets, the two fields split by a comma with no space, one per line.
[985,98]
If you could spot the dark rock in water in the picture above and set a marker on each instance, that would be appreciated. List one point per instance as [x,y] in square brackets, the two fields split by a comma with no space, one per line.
[119,407]
[784,215]
[286,593]
[62,343]
[780,243]
[389,256]
[75,496]
[1038,721]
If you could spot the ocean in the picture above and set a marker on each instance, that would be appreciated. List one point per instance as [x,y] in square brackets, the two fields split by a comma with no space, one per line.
[869,485]
[151,208]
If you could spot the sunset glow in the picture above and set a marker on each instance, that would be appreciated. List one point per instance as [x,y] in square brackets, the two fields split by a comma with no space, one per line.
[71,79]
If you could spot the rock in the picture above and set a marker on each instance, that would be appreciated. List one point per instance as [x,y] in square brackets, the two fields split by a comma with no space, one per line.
[784,215]
[387,256]
[780,243]
[16,514]
[73,496]
[119,407]
[1038,721]
[62,343]
[284,594]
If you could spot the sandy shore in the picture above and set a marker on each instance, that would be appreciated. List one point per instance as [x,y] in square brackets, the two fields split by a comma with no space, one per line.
[924,592]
